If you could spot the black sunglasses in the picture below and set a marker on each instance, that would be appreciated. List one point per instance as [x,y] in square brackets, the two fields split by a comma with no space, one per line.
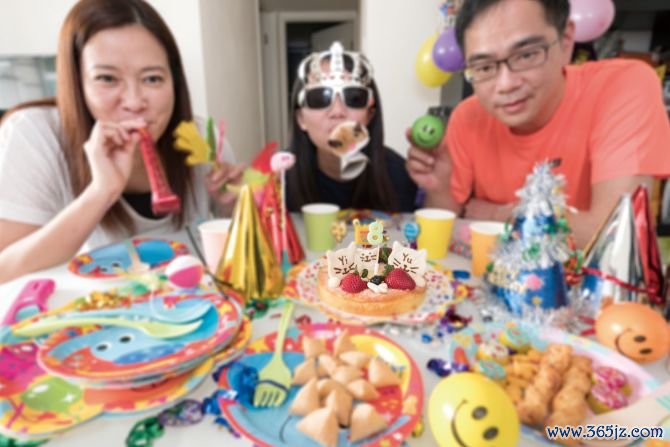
[321,97]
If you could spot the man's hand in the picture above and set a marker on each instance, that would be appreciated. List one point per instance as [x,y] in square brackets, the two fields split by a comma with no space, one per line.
[429,168]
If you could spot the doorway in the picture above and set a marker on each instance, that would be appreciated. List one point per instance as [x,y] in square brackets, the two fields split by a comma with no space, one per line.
[287,37]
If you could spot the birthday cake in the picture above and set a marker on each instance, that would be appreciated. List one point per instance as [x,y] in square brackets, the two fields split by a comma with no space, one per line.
[358,281]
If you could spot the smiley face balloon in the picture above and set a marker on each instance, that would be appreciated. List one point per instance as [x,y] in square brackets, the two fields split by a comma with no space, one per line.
[470,410]
[634,330]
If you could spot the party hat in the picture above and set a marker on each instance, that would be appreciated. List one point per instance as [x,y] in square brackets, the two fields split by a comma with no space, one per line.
[527,270]
[650,255]
[612,265]
[271,217]
[248,263]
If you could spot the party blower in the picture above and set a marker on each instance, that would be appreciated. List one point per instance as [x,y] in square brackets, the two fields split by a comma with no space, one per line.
[163,200]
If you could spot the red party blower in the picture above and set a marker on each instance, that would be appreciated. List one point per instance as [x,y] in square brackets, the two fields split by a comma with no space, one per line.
[163,200]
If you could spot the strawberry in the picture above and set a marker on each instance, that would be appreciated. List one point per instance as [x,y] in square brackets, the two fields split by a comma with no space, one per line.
[352,283]
[399,279]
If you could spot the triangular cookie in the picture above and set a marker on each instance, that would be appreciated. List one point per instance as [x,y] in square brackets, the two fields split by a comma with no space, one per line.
[342,344]
[307,399]
[365,422]
[327,365]
[321,425]
[361,389]
[313,347]
[325,386]
[340,401]
[380,374]
[357,359]
[345,374]
[304,372]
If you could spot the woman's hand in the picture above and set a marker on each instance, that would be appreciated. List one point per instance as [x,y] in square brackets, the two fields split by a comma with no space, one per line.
[109,150]
[219,177]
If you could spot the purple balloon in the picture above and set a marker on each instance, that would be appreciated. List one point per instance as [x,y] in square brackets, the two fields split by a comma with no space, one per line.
[447,55]
[592,18]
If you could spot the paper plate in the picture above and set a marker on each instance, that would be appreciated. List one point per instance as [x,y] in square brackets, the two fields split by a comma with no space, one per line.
[439,296]
[471,337]
[111,260]
[119,354]
[36,405]
[274,427]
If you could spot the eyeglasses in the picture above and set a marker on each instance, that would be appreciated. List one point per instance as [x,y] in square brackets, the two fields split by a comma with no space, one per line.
[525,59]
[321,97]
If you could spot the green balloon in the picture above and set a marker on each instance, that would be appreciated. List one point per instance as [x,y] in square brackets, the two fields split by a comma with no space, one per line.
[427,131]
[54,394]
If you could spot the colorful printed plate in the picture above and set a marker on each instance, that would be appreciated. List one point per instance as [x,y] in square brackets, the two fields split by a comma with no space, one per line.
[118,354]
[35,405]
[470,338]
[111,260]
[274,427]
[439,296]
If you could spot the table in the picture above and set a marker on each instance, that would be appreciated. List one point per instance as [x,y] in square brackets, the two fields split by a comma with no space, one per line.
[111,432]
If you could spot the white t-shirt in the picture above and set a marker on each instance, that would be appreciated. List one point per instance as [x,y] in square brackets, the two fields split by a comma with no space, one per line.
[35,185]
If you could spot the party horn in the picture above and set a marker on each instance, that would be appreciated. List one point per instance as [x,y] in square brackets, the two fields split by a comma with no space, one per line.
[163,200]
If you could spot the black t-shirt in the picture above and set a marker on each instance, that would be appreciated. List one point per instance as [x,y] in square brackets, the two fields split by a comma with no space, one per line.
[340,193]
[141,203]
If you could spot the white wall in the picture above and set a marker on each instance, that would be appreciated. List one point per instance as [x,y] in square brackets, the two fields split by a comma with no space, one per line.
[30,27]
[391,33]
[231,49]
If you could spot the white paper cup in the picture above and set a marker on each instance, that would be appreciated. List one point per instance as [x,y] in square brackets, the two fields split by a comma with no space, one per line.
[214,234]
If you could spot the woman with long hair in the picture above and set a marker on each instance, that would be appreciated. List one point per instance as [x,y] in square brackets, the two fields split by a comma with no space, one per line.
[71,173]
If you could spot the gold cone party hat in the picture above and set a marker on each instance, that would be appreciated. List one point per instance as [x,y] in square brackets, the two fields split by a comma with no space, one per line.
[248,263]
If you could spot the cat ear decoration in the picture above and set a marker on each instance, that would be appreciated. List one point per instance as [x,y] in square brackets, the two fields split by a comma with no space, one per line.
[413,262]
[340,263]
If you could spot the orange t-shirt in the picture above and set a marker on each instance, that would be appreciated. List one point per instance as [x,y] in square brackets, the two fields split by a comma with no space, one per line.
[611,123]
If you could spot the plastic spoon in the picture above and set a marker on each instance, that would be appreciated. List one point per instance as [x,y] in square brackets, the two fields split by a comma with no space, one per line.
[151,328]
[136,264]
[176,315]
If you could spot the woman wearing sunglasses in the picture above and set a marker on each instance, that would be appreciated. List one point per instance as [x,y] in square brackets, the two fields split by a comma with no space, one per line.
[335,86]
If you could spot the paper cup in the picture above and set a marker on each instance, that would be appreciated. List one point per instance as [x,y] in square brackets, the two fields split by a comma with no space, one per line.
[214,234]
[484,236]
[318,218]
[435,227]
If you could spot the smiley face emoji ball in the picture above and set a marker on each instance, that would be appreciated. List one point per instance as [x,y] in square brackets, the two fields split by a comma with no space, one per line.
[470,410]
[427,131]
[634,330]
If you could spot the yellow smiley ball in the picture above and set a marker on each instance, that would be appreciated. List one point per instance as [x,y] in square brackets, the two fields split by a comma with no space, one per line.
[470,410]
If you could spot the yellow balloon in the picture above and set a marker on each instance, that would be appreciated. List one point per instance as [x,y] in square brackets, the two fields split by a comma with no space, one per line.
[426,70]
[470,409]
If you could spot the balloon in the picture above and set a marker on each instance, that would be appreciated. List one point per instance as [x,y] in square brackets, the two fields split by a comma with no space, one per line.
[634,330]
[447,54]
[470,409]
[53,394]
[185,272]
[426,71]
[592,18]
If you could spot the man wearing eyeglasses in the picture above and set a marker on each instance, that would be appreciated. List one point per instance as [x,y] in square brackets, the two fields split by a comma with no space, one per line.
[604,121]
